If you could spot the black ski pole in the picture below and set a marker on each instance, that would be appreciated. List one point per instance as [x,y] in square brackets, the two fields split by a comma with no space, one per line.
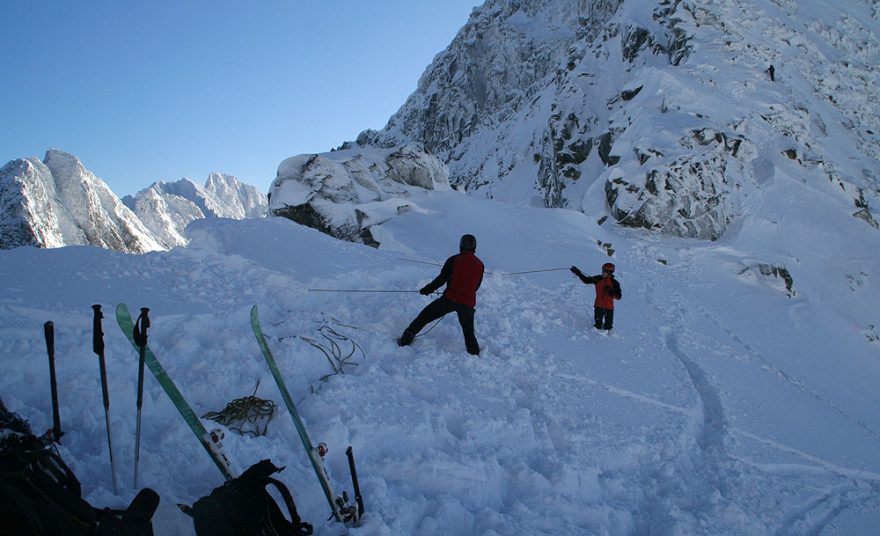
[354,482]
[98,348]
[139,334]
[49,331]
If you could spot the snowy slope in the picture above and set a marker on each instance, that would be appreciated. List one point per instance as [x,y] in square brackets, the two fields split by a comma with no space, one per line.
[719,404]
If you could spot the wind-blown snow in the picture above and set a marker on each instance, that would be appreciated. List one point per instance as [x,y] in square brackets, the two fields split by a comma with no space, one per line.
[718,404]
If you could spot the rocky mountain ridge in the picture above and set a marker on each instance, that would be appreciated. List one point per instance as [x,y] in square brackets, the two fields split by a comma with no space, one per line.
[57,202]
[166,208]
[660,115]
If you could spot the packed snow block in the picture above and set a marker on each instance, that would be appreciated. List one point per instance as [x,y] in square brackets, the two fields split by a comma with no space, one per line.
[344,193]
[776,276]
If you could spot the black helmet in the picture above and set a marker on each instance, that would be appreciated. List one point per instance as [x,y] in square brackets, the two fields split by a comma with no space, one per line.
[468,242]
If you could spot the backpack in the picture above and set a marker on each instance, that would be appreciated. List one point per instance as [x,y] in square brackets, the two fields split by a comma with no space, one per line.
[40,495]
[243,507]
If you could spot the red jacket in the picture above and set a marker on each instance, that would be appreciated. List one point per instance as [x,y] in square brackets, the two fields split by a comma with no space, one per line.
[462,274]
[607,290]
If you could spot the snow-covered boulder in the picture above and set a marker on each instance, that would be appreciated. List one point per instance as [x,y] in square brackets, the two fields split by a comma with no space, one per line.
[345,192]
[58,202]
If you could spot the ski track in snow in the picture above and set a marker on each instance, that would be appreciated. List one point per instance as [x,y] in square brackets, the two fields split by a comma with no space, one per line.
[710,468]
[811,517]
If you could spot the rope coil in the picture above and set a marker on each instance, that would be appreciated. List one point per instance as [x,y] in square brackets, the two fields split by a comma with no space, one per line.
[249,415]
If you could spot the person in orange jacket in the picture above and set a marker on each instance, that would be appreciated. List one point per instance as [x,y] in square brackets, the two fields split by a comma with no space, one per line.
[607,290]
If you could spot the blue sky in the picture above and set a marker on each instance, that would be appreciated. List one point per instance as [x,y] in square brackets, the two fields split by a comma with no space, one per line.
[159,90]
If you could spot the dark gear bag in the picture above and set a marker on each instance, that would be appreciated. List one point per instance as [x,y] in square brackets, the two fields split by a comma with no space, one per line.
[40,495]
[133,521]
[243,507]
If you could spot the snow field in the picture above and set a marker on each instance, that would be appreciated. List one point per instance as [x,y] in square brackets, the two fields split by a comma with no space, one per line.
[711,408]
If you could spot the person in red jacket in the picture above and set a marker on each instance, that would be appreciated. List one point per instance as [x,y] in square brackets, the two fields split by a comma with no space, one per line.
[462,274]
[607,290]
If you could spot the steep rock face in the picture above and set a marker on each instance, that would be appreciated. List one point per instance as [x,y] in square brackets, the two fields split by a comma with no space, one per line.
[228,197]
[688,197]
[166,208]
[28,206]
[345,192]
[58,202]
[166,215]
[593,105]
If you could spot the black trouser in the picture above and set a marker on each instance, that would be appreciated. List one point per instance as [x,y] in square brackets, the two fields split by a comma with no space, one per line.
[441,307]
[604,317]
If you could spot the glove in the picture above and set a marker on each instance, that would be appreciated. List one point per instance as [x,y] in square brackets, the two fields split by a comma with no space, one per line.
[610,291]
[575,271]
[424,291]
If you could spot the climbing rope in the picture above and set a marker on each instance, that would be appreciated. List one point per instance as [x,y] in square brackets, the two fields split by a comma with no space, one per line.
[333,351]
[358,290]
[247,416]
[536,271]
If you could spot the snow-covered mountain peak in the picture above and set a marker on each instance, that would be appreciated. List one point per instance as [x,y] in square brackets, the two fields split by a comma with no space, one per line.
[64,165]
[59,202]
[168,207]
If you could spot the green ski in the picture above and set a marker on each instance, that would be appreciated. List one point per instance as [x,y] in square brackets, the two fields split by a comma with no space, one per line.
[208,440]
[313,453]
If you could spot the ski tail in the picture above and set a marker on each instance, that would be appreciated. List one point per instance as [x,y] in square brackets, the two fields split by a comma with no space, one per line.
[314,456]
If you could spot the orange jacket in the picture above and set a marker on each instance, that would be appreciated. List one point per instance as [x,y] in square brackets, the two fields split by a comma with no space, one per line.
[607,289]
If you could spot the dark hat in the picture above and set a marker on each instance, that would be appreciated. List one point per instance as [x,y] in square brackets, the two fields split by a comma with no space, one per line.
[468,242]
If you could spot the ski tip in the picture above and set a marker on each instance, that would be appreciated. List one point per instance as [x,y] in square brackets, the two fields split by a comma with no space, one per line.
[186,509]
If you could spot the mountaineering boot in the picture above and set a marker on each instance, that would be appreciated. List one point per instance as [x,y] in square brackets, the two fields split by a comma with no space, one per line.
[406,339]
